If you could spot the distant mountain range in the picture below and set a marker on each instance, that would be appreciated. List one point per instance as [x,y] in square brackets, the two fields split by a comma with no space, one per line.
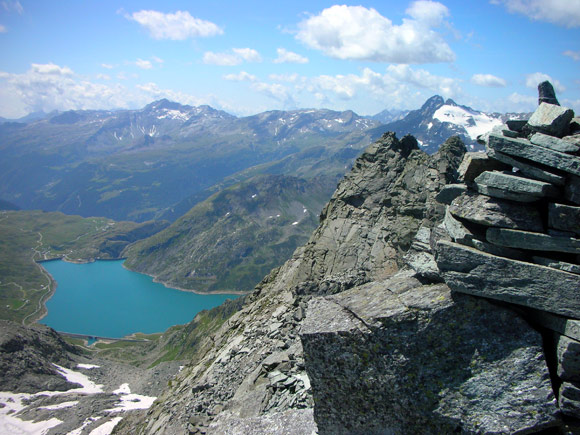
[159,161]
[242,193]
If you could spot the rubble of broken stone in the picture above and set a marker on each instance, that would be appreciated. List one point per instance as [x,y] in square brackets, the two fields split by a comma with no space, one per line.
[514,230]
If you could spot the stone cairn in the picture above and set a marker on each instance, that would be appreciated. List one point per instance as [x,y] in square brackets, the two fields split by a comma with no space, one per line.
[514,229]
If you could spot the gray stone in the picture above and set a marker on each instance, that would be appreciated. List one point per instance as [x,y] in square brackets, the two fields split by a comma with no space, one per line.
[516,185]
[568,351]
[528,169]
[573,139]
[572,189]
[564,217]
[510,133]
[568,327]
[575,125]
[546,93]
[516,125]
[417,359]
[483,210]
[551,119]
[420,258]
[525,149]
[504,194]
[450,192]
[475,163]
[560,265]
[458,232]
[470,271]
[569,399]
[554,143]
[500,251]
[532,241]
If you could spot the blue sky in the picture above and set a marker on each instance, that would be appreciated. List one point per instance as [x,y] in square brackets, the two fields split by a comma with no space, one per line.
[246,57]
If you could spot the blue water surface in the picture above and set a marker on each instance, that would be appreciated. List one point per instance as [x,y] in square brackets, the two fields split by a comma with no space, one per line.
[105,299]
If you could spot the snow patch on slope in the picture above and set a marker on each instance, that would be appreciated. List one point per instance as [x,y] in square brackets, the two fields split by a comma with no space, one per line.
[475,123]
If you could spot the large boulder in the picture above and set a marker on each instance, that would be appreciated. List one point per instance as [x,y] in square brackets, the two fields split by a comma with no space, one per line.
[400,357]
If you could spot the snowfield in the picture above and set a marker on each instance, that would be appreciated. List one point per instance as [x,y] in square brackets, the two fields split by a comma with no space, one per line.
[475,123]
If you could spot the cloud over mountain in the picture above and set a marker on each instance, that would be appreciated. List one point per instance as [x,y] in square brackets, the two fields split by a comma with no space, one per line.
[355,32]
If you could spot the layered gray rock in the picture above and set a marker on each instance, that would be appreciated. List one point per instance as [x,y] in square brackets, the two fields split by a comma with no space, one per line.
[468,270]
[564,217]
[551,119]
[513,187]
[414,358]
[557,264]
[483,210]
[569,399]
[568,358]
[528,169]
[544,156]
[554,143]
[532,241]
[450,192]
[474,164]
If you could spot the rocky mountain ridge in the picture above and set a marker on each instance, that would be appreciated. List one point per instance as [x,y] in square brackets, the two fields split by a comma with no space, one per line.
[439,119]
[360,333]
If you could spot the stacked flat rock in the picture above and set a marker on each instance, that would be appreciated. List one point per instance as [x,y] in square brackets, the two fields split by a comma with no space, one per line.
[515,229]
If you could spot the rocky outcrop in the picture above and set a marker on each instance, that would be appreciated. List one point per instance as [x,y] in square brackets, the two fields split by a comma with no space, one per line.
[532,263]
[27,358]
[357,333]
[253,370]
[400,357]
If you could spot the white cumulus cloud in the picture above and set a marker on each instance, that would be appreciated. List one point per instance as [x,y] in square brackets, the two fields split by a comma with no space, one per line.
[355,32]
[236,57]
[242,76]
[144,64]
[561,12]
[176,26]
[533,80]
[488,80]
[285,56]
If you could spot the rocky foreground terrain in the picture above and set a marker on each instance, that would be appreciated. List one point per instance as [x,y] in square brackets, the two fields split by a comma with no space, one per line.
[439,294]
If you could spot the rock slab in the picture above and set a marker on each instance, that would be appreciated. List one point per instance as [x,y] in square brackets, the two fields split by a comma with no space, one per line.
[467,270]
[414,358]
[525,149]
[493,212]
[551,119]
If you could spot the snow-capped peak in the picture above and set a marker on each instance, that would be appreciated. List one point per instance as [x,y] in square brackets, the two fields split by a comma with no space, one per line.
[475,123]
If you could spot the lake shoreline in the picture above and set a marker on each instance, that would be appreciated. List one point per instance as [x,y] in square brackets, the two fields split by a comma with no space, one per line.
[103,299]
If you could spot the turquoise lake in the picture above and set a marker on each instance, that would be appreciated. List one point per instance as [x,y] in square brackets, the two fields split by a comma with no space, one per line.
[105,299]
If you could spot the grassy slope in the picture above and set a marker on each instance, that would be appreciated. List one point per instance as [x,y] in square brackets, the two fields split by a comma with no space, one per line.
[29,236]
[235,237]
